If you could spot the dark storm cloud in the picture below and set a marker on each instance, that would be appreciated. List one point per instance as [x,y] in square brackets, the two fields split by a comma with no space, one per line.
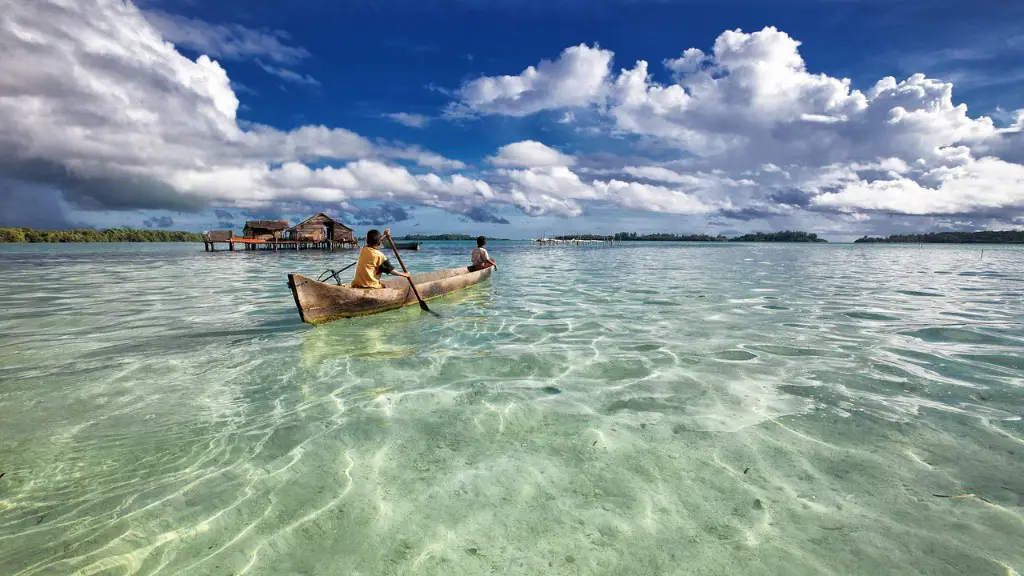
[270,213]
[386,213]
[159,222]
[481,214]
[748,214]
[123,192]
[32,206]
[793,197]
[223,214]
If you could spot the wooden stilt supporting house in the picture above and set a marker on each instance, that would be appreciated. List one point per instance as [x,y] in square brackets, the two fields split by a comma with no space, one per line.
[213,236]
[322,231]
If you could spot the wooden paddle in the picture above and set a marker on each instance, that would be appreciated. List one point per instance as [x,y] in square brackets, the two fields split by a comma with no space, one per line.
[423,305]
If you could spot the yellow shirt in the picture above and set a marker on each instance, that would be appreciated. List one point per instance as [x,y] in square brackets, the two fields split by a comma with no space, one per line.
[368,267]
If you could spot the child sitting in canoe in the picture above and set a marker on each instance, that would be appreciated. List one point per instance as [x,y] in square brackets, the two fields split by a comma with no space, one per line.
[373,263]
[480,258]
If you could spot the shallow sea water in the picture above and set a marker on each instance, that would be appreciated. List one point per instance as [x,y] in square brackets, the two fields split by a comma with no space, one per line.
[642,409]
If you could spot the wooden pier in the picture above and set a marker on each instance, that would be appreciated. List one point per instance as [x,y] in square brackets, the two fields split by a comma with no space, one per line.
[571,242]
[257,244]
[319,232]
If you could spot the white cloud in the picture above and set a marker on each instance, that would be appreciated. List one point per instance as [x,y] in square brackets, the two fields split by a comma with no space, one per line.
[576,78]
[438,162]
[289,75]
[231,41]
[748,123]
[96,103]
[529,153]
[560,191]
[976,186]
[652,198]
[410,120]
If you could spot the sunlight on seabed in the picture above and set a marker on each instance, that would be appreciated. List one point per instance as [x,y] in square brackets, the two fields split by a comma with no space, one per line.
[763,409]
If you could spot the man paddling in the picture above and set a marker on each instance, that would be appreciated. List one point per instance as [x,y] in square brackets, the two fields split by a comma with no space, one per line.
[480,258]
[373,263]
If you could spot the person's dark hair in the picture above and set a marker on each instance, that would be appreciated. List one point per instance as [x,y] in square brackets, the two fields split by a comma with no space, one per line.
[373,238]
[480,241]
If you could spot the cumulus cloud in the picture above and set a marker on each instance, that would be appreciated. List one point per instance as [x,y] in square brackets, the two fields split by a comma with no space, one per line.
[560,191]
[98,105]
[529,153]
[95,103]
[975,186]
[576,78]
[750,124]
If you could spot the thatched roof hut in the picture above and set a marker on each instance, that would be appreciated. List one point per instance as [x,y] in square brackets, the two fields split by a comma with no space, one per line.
[321,228]
[219,236]
[264,229]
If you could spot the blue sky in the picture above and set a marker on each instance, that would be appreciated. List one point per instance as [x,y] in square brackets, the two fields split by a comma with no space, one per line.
[418,131]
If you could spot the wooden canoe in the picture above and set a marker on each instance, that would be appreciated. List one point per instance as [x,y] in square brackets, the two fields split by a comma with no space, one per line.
[408,245]
[321,302]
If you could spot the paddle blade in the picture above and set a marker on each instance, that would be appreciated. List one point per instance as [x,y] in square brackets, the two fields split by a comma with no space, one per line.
[423,306]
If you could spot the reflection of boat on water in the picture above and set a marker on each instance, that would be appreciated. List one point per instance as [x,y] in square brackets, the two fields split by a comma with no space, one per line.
[319,302]
[401,334]
[374,342]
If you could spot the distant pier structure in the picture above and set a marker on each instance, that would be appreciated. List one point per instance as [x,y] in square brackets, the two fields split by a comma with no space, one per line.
[319,232]
[572,241]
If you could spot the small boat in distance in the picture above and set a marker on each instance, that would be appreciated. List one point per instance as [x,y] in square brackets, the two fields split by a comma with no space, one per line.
[320,302]
[408,245]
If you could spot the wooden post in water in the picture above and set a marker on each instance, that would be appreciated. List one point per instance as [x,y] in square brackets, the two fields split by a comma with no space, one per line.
[231,245]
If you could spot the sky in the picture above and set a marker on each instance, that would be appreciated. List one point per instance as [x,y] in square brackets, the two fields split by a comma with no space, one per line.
[515,118]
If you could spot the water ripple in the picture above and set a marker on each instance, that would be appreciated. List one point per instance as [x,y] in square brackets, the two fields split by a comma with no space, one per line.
[768,409]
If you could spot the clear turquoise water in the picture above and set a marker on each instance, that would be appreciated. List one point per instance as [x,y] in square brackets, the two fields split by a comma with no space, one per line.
[658,409]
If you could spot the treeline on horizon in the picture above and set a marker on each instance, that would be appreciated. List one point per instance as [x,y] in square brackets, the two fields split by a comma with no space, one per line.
[783,236]
[984,237]
[21,235]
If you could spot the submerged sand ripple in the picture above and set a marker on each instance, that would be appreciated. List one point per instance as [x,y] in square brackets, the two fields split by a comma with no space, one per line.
[757,410]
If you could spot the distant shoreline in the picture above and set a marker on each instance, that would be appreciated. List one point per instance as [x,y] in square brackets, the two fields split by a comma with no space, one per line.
[985,237]
[783,236]
[86,235]
[24,235]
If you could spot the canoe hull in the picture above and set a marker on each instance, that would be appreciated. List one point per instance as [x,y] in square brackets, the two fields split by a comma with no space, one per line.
[407,245]
[321,302]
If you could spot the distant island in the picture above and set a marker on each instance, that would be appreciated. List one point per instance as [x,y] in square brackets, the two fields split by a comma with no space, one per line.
[21,235]
[784,236]
[421,237]
[985,237]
